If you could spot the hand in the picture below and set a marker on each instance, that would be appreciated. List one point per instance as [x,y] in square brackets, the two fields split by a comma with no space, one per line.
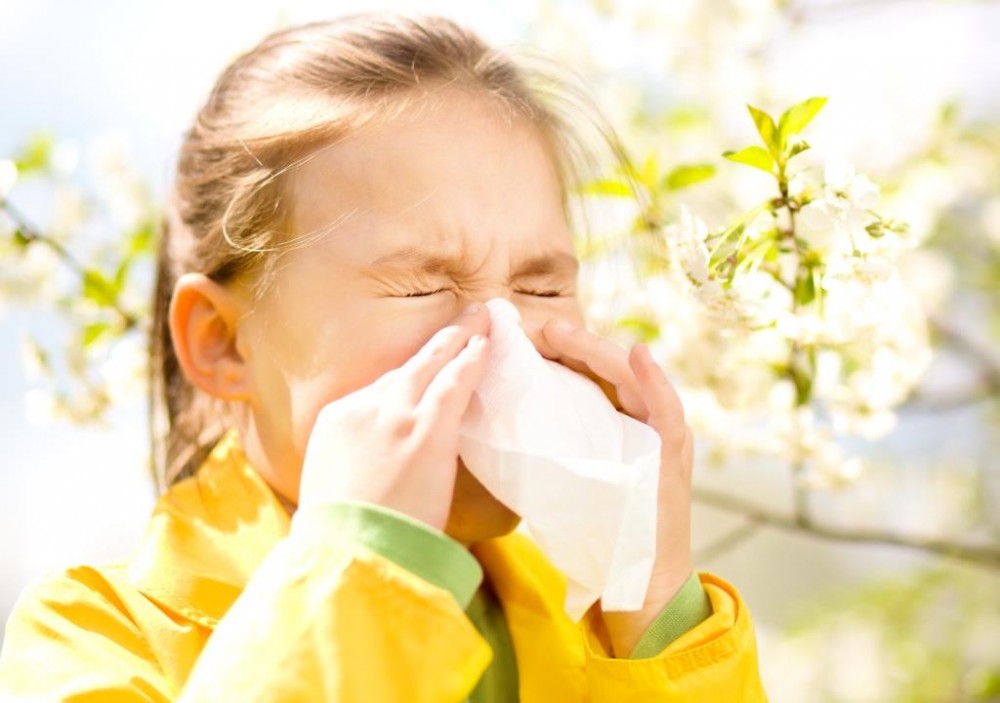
[395,442]
[636,385]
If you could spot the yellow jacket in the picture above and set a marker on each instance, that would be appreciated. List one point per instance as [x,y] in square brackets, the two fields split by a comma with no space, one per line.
[327,619]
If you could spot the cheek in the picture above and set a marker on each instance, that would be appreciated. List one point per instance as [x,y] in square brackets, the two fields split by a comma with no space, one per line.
[344,365]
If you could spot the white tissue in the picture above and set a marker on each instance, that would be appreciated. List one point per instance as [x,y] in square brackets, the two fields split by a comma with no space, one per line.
[547,442]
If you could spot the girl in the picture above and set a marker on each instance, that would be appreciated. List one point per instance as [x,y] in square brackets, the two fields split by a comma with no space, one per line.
[348,189]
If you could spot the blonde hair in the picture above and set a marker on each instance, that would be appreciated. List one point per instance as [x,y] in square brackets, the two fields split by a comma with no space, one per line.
[299,89]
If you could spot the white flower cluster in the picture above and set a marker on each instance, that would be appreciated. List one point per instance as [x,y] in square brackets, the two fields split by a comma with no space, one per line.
[92,381]
[768,371]
[101,361]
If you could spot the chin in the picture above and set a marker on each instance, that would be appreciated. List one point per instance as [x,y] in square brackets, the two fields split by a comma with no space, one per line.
[475,514]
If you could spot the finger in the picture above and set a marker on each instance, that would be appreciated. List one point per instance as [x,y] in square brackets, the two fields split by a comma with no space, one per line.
[666,413]
[414,376]
[448,395]
[534,332]
[605,359]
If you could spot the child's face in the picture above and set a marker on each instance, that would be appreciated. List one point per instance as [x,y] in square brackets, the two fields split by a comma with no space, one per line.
[454,182]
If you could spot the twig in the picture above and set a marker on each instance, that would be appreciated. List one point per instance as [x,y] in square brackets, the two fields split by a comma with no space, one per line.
[727,542]
[31,234]
[962,343]
[942,403]
[983,555]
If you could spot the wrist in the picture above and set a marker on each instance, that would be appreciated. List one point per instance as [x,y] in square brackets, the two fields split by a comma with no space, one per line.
[626,628]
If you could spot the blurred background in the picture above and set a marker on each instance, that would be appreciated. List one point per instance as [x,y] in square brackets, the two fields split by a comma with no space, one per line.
[876,578]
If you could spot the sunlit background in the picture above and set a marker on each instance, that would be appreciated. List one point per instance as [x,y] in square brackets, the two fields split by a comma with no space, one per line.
[914,91]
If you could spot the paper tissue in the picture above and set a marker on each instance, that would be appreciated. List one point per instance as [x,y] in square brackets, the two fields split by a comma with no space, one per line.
[548,443]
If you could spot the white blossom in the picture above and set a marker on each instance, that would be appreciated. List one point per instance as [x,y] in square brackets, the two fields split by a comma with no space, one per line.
[834,222]
[687,243]
[124,370]
[64,159]
[8,176]
[845,189]
[70,212]
[763,298]
[41,408]
[30,276]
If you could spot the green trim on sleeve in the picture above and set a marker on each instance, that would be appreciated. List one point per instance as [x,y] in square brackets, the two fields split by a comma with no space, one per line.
[688,608]
[417,547]
[499,683]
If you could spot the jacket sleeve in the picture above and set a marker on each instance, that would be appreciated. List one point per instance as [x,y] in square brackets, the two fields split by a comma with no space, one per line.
[341,610]
[70,638]
[716,660]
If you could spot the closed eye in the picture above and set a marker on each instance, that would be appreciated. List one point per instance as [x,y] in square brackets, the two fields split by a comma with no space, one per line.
[421,294]
[542,293]
[536,293]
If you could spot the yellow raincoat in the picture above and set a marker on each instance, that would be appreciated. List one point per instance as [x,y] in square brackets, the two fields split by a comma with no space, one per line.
[325,618]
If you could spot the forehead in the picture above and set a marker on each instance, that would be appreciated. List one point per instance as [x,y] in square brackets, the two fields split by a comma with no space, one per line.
[459,177]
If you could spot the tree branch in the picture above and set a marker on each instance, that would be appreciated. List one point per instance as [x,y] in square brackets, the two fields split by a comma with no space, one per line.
[987,359]
[729,541]
[942,403]
[985,555]
[29,234]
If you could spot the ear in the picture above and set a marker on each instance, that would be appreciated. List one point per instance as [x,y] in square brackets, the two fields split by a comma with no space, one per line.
[204,318]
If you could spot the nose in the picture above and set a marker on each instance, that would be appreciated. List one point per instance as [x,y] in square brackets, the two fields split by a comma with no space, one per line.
[483,295]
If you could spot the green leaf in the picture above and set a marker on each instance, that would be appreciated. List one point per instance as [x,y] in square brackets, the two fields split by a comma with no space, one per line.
[685,176]
[795,118]
[765,127]
[121,274]
[897,226]
[752,156]
[805,290]
[986,683]
[98,288]
[797,148]
[141,240]
[726,246]
[802,378]
[21,239]
[646,330]
[93,332]
[36,153]
[647,174]
[608,187]
[756,254]
[875,230]
[948,116]
[686,117]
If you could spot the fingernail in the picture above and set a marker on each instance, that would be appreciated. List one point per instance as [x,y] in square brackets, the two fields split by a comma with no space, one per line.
[564,326]
[472,309]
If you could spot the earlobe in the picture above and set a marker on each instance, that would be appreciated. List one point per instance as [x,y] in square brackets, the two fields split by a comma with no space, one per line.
[204,317]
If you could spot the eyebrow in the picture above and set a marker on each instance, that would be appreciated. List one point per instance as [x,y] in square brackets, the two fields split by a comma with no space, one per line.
[433,262]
